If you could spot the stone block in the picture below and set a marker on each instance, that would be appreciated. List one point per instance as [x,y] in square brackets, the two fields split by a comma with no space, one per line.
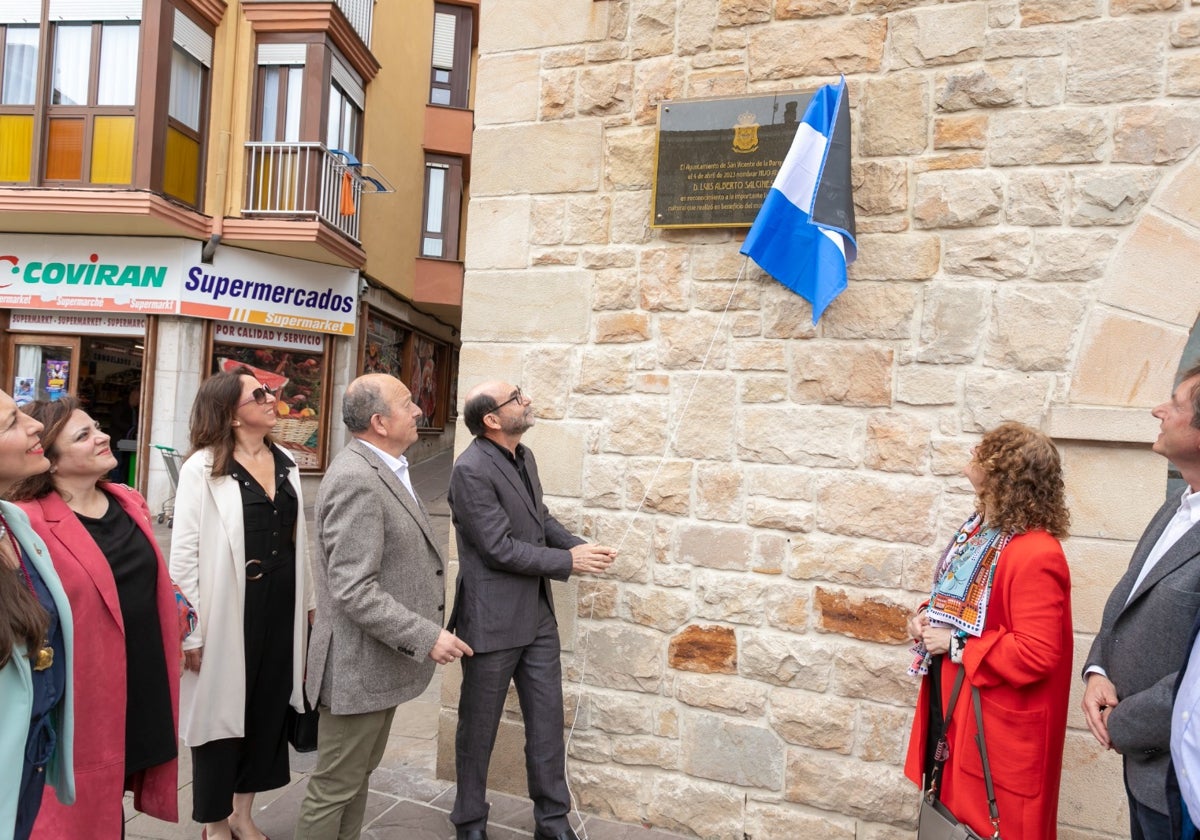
[990,255]
[786,482]
[663,279]
[727,695]
[1112,197]
[758,355]
[1106,375]
[546,157]
[894,507]
[1114,61]
[662,610]
[636,427]
[880,186]
[613,792]
[1045,82]
[839,560]
[909,256]
[728,598]
[1158,248]
[722,296]
[646,752]
[841,373]
[785,314]
[1055,135]
[622,327]
[656,80]
[800,435]
[926,385]
[623,657]
[950,161]
[1099,509]
[705,650]
[867,617]
[1183,75]
[785,659]
[546,221]
[1092,775]
[813,720]
[605,370]
[960,131]
[631,216]
[1035,328]
[662,487]
[546,375]
[604,90]
[1185,31]
[778,516]
[587,220]
[1096,564]
[617,713]
[786,605]
[705,407]
[844,785]
[627,164]
[703,809]
[719,492]
[506,89]
[715,747]
[1155,134]
[793,9]
[897,442]
[1073,256]
[869,672]
[590,747]
[941,35]
[652,30]
[1180,196]
[597,599]
[691,341]
[770,552]
[992,86]
[763,389]
[615,288]
[567,57]
[496,306]
[822,48]
[995,396]
[952,324]
[958,199]
[716,83]
[1036,198]
[1018,43]
[694,30]
[1036,12]
[506,28]
[882,733]
[893,115]
[563,257]
[871,311]
[556,101]
[743,12]
[715,547]
[769,819]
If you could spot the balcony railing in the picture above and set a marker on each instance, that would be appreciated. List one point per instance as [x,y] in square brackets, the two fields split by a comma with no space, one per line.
[304,181]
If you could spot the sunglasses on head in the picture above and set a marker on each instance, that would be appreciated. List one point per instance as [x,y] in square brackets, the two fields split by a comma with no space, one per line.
[258,395]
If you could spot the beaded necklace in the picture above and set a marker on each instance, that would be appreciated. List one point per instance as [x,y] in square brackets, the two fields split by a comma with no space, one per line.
[45,654]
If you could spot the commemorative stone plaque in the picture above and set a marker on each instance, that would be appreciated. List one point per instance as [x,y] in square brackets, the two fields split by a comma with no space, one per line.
[716,158]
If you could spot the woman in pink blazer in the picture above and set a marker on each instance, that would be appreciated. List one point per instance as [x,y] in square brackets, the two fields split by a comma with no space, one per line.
[127,655]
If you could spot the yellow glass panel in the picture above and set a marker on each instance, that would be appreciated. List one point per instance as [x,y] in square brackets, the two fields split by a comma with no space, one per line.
[16,146]
[64,149]
[112,150]
[181,167]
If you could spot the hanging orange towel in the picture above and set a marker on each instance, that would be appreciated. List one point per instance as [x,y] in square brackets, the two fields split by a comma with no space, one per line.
[347,204]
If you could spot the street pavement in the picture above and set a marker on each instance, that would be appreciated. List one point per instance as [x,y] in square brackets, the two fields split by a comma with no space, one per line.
[407,801]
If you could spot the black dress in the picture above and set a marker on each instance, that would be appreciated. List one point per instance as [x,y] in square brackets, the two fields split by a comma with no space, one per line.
[149,727]
[259,760]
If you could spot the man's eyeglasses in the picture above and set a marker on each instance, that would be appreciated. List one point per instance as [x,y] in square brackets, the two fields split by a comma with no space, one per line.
[517,397]
[258,395]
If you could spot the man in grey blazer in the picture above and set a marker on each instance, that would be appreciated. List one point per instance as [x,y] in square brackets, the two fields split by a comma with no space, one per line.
[1142,643]
[509,548]
[379,577]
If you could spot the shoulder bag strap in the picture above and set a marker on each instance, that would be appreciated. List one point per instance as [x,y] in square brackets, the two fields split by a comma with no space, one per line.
[943,749]
[993,811]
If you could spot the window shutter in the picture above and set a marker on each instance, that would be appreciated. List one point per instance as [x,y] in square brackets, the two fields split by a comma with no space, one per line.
[95,10]
[194,40]
[443,40]
[21,11]
[349,82]
[291,54]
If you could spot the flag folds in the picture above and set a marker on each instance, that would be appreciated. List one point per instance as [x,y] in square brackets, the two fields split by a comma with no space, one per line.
[803,235]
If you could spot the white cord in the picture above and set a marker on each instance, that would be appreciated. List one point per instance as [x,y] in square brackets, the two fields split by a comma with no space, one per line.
[671,436]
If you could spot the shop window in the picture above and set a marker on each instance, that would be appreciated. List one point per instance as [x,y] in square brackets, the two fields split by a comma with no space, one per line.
[426,375]
[187,107]
[300,379]
[92,97]
[450,71]
[442,207]
[417,360]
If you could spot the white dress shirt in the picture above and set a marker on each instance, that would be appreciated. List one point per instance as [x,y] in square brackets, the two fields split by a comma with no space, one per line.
[397,465]
[1185,735]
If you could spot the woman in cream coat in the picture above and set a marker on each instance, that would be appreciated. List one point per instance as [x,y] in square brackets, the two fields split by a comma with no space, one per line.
[252,603]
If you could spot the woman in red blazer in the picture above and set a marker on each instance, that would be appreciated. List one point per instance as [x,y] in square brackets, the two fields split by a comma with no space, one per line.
[1000,608]
[127,654]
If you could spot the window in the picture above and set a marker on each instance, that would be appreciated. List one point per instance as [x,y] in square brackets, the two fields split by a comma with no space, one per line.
[344,130]
[19,82]
[451,66]
[90,119]
[443,204]
[191,58]
[18,92]
[279,115]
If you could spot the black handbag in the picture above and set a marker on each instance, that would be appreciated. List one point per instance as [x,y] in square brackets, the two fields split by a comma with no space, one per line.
[302,728]
[936,822]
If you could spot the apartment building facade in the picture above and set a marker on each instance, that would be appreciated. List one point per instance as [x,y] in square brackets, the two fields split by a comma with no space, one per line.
[189,185]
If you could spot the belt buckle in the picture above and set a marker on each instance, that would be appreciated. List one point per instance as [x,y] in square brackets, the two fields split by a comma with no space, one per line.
[258,576]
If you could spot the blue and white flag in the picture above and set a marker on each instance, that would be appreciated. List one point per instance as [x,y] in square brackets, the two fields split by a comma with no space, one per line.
[803,235]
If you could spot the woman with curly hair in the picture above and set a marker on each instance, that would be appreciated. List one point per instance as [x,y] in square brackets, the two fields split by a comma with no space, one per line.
[1000,612]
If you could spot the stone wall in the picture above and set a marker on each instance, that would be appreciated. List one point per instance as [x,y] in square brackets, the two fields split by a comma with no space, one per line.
[1028,213]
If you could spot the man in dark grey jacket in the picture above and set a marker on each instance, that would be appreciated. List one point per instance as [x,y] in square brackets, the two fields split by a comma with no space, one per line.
[1142,643]
[509,549]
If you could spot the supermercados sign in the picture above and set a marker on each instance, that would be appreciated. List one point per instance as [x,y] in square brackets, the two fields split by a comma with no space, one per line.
[165,276]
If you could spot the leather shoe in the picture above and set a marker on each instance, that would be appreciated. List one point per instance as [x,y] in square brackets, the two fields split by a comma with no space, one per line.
[569,834]
[470,834]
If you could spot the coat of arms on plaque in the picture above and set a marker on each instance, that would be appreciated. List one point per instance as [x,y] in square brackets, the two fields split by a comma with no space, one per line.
[745,134]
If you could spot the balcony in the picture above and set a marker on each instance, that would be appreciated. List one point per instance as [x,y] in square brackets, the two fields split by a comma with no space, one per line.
[302,181]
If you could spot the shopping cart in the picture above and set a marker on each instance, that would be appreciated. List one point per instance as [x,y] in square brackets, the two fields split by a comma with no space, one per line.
[173,459]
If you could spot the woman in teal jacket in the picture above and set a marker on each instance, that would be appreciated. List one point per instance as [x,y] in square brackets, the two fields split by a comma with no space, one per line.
[36,728]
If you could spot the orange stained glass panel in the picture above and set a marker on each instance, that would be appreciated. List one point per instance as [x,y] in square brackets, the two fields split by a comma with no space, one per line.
[16,146]
[181,167]
[112,150]
[64,149]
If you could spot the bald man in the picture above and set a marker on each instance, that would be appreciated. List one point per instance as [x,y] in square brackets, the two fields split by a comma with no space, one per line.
[509,549]
[379,576]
